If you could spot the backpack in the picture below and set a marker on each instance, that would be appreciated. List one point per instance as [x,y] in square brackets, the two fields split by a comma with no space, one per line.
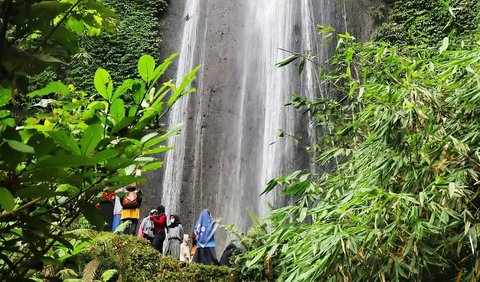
[148,227]
[128,203]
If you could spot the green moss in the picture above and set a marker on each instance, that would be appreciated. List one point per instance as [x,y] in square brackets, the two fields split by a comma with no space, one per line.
[416,22]
[136,260]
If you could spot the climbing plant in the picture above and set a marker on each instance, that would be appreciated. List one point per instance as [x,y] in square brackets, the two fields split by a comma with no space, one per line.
[137,33]
[416,22]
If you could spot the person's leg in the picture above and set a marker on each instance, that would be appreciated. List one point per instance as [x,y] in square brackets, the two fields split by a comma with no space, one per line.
[128,230]
[106,208]
[213,256]
[133,226]
[158,241]
[116,222]
[162,240]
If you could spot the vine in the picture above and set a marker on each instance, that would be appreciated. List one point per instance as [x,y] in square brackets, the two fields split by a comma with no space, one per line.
[137,34]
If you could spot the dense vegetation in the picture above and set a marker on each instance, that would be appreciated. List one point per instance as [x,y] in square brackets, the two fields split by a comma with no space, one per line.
[128,258]
[136,34]
[61,145]
[402,201]
[416,22]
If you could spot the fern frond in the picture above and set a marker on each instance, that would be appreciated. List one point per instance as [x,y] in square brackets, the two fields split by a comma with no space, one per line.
[122,227]
[91,269]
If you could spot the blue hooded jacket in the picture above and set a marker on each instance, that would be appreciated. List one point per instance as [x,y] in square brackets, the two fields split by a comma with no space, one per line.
[205,228]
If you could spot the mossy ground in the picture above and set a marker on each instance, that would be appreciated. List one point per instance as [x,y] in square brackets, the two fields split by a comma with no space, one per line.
[136,260]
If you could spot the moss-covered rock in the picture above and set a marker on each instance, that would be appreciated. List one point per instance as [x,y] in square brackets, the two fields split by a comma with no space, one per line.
[136,260]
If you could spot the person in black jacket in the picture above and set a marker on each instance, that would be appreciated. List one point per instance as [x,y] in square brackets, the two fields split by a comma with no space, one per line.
[227,254]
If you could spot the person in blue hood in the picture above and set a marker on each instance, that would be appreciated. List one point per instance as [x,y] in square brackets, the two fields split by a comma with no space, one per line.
[204,229]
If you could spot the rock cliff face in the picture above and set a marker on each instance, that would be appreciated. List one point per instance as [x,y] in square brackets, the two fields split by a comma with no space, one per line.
[230,146]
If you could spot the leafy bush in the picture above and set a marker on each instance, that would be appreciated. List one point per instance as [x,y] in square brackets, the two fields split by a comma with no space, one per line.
[402,202]
[54,163]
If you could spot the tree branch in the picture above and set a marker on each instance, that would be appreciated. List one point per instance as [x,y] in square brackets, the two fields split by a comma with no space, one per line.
[14,212]
[67,13]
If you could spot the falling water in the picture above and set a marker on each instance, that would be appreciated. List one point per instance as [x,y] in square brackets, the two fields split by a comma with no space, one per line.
[270,27]
[230,146]
[174,160]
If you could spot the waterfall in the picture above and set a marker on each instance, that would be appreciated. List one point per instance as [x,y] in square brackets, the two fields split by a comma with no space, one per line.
[174,160]
[269,27]
[229,147]
[247,149]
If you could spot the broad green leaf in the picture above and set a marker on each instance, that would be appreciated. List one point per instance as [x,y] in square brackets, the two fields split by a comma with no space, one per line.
[122,180]
[19,146]
[103,83]
[63,160]
[180,91]
[117,110]
[5,96]
[90,139]
[6,199]
[34,192]
[138,92]
[63,139]
[152,166]
[93,215]
[118,163]
[47,58]
[148,137]
[132,111]
[76,25]
[108,274]
[49,9]
[160,70]
[126,121]
[126,85]
[146,67]
[158,150]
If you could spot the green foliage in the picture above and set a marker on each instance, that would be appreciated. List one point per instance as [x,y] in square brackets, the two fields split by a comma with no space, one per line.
[137,34]
[402,202]
[37,34]
[54,163]
[135,260]
[416,22]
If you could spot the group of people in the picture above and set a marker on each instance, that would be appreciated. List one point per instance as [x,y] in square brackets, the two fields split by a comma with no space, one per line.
[156,229]
[119,206]
[164,234]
